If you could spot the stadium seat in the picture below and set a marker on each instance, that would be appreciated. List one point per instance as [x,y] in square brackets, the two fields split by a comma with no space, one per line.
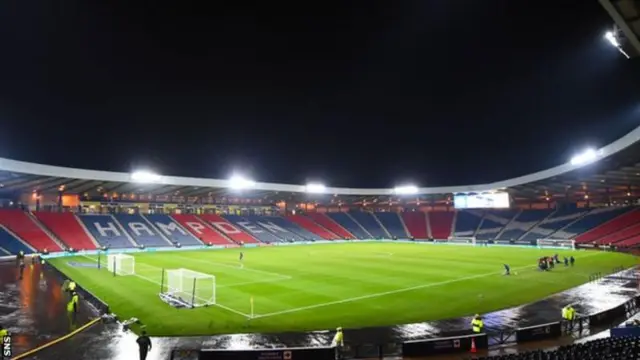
[228,229]
[441,223]
[26,228]
[12,245]
[522,223]
[172,230]
[393,223]
[141,230]
[595,218]
[255,230]
[467,222]
[346,221]
[68,228]
[201,230]
[493,221]
[371,224]
[618,236]
[416,222]
[552,225]
[107,231]
[283,228]
[313,227]
[329,224]
[627,219]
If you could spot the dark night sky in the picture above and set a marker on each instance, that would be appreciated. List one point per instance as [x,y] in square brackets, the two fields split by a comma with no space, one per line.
[360,94]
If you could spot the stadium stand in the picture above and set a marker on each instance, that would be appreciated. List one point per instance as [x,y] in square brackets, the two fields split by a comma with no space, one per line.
[172,230]
[141,230]
[620,222]
[67,228]
[293,227]
[313,227]
[623,348]
[10,244]
[371,224]
[201,230]
[281,228]
[347,222]
[467,222]
[618,236]
[522,223]
[416,222]
[26,228]
[595,218]
[107,231]
[229,229]
[329,224]
[441,223]
[253,229]
[493,222]
[393,223]
[553,225]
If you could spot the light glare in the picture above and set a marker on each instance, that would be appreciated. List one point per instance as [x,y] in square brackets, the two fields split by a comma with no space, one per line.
[239,182]
[612,39]
[587,156]
[315,188]
[145,177]
[406,190]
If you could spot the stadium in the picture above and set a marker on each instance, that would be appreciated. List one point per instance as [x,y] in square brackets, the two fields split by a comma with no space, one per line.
[242,269]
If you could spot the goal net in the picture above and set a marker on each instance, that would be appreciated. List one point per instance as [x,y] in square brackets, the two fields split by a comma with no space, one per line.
[188,288]
[121,264]
[471,240]
[556,243]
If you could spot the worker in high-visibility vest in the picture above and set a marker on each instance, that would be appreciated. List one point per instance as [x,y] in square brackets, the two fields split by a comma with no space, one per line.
[477,325]
[3,332]
[568,315]
[338,342]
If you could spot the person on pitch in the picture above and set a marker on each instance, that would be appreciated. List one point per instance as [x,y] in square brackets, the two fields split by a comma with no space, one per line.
[572,260]
[566,261]
[241,255]
[507,270]
[144,345]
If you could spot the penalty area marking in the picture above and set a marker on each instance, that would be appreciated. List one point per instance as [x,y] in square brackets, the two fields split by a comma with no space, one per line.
[397,291]
[242,267]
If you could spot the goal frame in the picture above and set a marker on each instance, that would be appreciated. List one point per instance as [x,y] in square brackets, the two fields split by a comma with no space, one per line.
[187,295]
[555,243]
[114,264]
[471,240]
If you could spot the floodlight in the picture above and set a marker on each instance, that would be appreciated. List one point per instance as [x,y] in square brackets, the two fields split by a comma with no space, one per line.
[406,190]
[238,182]
[610,36]
[145,176]
[315,188]
[585,157]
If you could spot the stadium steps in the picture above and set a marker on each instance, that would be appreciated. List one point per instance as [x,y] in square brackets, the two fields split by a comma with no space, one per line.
[86,231]
[331,225]
[12,242]
[404,226]
[561,234]
[392,223]
[313,227]
[609,227]
[47,231]
[535,225]
[442,222]
[453,223]
[239,237]
[202,230]
[475,232]
[19,223]
[155,228]
[66,227]
[124,231]
[4,252]
[361,226]
[506,226]
[427,219]
[416,224]
[386,231]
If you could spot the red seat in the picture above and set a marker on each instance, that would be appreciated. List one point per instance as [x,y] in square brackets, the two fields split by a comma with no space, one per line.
[308,224]
[25,227]
[227,228]
[200,230]
[609,227]
[331,225]
[416,222]
[441,223]
[67,228]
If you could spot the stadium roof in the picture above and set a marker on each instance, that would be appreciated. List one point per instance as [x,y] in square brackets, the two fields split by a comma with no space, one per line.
[626,14]
[612,171]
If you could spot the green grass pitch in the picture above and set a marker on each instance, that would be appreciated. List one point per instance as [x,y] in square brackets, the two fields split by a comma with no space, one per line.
[322,286]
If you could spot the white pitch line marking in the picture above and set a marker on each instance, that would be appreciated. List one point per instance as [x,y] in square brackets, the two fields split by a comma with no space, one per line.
[397,291]
[235,267]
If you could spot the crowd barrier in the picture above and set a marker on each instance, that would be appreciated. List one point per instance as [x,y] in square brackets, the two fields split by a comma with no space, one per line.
[314,353]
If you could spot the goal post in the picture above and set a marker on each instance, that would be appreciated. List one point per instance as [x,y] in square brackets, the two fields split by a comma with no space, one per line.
[556,244]
[188,288]
[121,264]
[471,240]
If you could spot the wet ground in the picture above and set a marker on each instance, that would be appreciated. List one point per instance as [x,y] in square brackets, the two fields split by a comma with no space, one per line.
[33,309]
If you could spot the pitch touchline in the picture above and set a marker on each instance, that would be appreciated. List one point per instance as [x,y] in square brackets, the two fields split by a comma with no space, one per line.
[371,296]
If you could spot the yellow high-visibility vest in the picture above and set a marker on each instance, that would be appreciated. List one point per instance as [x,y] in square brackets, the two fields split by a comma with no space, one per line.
[477,325]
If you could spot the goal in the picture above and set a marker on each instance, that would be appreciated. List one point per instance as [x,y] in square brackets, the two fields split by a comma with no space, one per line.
[462,239]
[121,264]
[188,288]
[556,243]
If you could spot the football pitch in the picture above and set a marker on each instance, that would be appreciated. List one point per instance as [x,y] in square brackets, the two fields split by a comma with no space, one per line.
[322,286]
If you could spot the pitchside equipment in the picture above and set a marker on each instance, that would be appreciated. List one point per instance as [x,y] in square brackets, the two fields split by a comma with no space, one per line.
[556,243]
[188,288]
[121,264]
[471,240]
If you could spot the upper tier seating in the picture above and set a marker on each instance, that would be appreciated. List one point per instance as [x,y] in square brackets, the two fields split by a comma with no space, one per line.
[347,222]
[627,219]
[66,226]
[107,231]
[370,224]
[441,224]
[416,222]
[329,224]
[312,227]
[493,221]
[172,230]
[201,230]
[523,222]
[10,245]
[549,226]
[596,218]
[24,226]
[141,230]
[254,229]
[393,223]
[232,231]
[467,222]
